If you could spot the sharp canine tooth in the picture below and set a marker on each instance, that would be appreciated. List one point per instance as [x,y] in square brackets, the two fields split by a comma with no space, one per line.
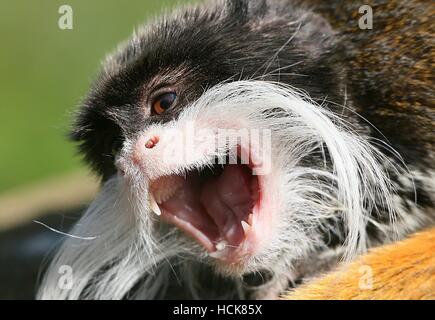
[250,219]
[153,205]
[165,188]
[246,227]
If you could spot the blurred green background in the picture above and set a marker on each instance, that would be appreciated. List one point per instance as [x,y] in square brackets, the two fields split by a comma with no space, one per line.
[44,73]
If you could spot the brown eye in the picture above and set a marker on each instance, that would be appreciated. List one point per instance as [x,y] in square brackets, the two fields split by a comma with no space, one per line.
[164,102]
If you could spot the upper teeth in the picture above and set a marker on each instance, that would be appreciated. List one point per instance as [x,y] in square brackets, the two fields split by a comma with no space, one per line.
[161,190]
[165,187]
[153,204]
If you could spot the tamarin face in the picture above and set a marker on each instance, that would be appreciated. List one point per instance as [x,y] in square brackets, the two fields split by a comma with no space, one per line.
[213,135]
[165,72]
[176,60]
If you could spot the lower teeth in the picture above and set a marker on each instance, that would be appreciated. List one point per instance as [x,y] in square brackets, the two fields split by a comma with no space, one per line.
[221,245]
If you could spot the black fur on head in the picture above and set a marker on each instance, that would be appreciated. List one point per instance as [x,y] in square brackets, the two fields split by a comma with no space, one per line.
[194,50]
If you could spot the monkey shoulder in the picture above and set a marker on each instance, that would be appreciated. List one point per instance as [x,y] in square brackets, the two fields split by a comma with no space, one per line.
[403,270]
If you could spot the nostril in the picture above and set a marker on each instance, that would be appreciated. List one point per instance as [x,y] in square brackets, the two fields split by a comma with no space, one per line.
[151,143]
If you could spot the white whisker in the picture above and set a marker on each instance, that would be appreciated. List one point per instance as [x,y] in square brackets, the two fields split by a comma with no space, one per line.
[64,233]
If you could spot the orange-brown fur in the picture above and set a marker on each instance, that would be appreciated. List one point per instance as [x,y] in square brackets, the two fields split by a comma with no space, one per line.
[403,270]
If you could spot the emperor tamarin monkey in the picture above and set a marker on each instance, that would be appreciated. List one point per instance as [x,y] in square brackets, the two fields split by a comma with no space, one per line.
[328,148]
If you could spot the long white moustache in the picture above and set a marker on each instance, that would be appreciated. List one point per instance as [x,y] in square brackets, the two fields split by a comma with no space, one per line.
[355,185]
[127,247]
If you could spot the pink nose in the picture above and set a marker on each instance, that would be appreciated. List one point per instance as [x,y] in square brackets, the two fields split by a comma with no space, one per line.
[151,143]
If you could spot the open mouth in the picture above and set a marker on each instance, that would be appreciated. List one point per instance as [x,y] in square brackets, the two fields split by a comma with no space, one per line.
[216,206]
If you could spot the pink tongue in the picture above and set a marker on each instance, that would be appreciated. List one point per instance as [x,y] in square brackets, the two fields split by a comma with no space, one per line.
[213,212]
[227,200]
